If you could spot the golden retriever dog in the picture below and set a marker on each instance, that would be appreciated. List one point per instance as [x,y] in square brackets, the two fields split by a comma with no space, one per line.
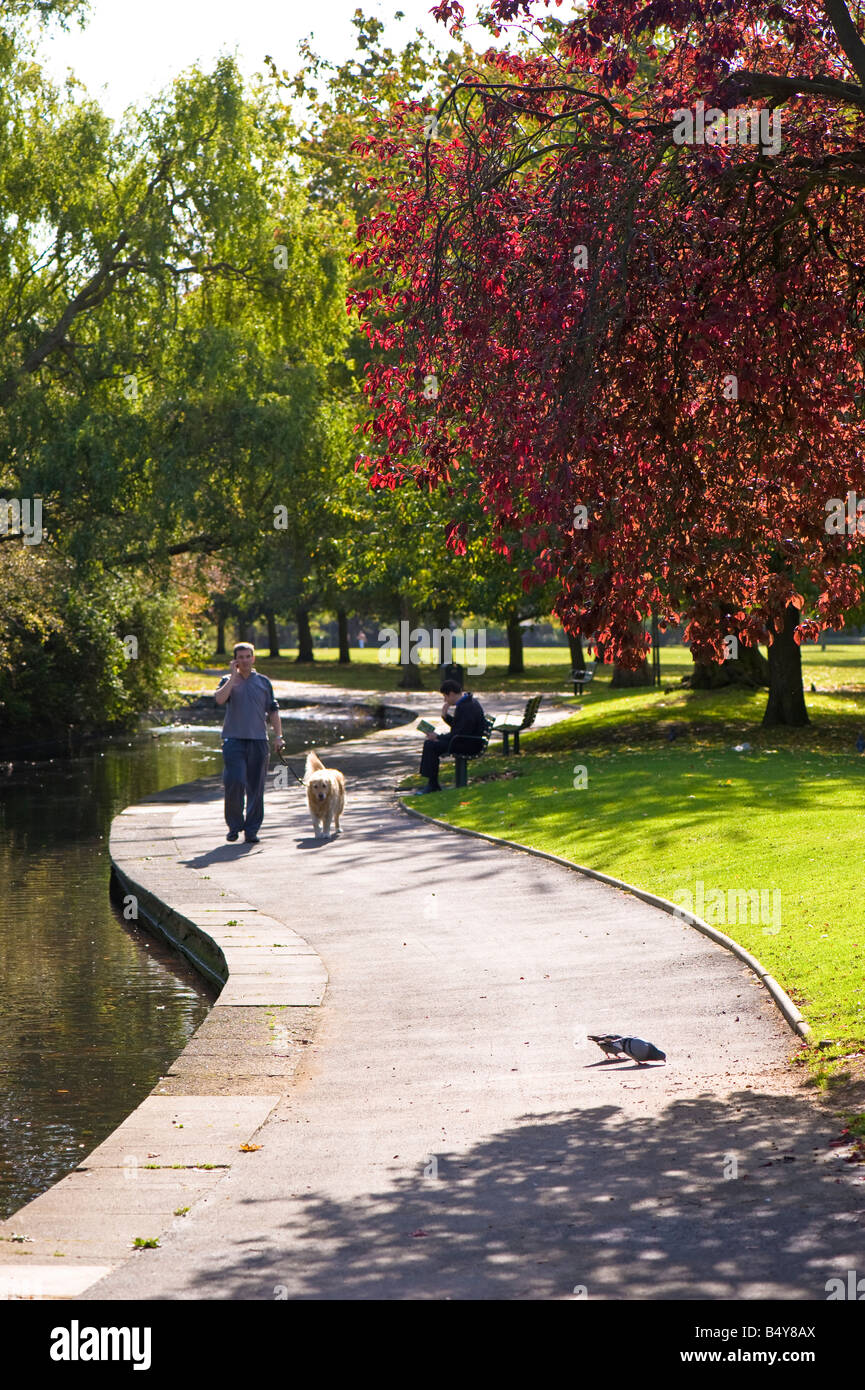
[325,795]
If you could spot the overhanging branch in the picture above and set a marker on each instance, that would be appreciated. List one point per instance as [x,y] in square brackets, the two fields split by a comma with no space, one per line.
[847,35]
[196,545]
[770,84]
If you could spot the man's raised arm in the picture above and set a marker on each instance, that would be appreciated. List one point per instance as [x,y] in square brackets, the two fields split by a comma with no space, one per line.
[224,691]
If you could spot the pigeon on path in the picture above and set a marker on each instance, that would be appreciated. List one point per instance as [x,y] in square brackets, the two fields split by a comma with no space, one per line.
[635,1048]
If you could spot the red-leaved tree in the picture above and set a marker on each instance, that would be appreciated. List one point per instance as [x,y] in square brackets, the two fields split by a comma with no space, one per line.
[648,347]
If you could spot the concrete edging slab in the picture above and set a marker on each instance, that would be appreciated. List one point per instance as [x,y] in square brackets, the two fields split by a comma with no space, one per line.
[787,1008]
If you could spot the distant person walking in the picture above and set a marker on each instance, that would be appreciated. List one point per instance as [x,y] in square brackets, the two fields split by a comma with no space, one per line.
[250,704]
[361,640]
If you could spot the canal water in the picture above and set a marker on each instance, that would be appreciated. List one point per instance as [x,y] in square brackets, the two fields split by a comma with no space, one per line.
[92,1010]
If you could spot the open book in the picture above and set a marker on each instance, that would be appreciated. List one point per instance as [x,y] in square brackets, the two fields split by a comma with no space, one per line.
[425,727]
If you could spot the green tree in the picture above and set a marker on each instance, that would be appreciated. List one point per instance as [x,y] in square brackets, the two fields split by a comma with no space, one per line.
[172,311]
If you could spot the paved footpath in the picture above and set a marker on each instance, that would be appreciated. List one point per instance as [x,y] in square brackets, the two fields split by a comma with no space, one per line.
[449,1134]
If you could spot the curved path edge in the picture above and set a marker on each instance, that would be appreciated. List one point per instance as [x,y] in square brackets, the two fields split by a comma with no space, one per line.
[179,1143]
[785,1004]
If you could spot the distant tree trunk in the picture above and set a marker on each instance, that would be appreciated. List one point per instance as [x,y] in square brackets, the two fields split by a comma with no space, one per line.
[245,630]
[516,665]
[342,624]
[409,670]
[749,670]
[626,680]
[220,635]
[304,635]
[441,621]
[786,704]
[272,634]
[578,661]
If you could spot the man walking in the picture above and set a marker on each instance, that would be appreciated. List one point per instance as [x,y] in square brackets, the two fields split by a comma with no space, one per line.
[466,721]
[250,703]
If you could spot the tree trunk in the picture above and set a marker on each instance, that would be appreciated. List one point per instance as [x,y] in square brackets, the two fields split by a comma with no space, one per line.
[342,624]
[516,665]
[304,636]
[442,621]
[626,680]
[578,661]
[786,704]
[409,670]
[749,670]
[272,634]
[220,636]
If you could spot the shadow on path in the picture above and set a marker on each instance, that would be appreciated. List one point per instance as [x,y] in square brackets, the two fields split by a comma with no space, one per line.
[222,854]
[644,1209]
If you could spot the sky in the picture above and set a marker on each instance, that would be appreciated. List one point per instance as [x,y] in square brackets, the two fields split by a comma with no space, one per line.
[129,52]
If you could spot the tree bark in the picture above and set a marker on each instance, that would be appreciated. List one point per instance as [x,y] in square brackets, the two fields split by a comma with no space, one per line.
[578,661]
[342,624]
[442,621]
[847,35]
[786,704]
[220,636]
[304,636]
[516,665]
[272,634]
[749,670]
[626,680]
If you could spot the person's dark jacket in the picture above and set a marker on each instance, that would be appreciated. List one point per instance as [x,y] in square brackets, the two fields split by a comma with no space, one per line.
[467,717]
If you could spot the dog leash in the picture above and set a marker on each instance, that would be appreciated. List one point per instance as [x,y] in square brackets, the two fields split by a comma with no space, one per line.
[284,760]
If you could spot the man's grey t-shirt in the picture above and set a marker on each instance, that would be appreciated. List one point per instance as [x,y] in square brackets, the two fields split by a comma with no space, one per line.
[247,707]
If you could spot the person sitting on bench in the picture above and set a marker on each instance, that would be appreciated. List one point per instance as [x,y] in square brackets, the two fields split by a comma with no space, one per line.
[467,719]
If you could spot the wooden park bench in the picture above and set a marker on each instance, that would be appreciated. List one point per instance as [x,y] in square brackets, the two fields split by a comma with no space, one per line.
[465,747]
[508,724]
[581,675]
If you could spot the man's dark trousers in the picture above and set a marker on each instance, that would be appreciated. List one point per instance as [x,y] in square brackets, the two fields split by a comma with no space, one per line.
[433,750]
[245,773]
